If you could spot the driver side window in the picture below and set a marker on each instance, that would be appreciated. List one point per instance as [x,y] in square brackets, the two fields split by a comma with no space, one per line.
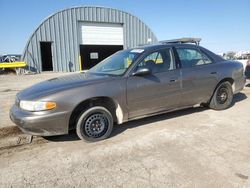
[158,61]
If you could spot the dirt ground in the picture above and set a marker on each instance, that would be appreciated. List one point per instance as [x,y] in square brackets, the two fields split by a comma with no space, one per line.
[196,147]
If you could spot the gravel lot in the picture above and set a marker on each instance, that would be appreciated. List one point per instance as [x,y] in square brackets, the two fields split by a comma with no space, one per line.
[196,147]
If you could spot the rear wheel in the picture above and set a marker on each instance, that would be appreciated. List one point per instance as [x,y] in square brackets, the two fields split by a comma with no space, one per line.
[95,124]
[222,97]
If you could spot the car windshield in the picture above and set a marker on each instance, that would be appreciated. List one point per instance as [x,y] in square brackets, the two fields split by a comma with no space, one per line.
[118,63]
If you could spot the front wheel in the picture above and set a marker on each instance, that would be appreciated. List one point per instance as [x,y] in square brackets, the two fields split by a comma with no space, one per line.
[95,124]
[222,97]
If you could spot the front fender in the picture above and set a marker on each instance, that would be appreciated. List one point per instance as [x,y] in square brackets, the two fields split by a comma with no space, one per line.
[68,100]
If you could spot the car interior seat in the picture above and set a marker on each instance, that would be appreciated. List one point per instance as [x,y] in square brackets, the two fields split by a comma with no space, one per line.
[150,64]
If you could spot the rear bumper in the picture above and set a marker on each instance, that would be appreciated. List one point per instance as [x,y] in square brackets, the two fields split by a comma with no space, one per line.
[239,84]
[42,124]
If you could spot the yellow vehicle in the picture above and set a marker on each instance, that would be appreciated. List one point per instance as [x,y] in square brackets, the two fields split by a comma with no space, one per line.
[13,65]
[17,64]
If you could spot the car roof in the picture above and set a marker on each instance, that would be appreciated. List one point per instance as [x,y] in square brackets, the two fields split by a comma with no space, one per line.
[156,46]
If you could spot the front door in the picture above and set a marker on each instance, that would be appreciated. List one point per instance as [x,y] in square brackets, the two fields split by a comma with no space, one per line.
[159,90]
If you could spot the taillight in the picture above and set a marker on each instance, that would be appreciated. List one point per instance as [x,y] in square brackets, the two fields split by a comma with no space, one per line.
[248,63]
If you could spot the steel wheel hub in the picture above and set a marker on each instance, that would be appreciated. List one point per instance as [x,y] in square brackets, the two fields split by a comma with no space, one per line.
[95,125]
[222,95]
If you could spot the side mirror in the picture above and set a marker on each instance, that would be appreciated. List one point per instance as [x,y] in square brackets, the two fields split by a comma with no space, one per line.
[142,72]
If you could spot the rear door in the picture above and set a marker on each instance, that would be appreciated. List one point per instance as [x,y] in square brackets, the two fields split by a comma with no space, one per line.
[157,91]
[199,75]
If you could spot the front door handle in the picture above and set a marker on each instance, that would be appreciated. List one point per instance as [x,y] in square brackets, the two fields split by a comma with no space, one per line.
[213,72]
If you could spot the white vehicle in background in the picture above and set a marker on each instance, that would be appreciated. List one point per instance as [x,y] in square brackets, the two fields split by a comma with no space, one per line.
[9,58]
[241,56]
[244,62]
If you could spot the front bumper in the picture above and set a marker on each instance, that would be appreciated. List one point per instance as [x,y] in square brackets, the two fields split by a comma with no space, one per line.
[40,123]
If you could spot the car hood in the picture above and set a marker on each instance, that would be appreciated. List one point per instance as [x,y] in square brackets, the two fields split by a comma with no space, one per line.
[61,83]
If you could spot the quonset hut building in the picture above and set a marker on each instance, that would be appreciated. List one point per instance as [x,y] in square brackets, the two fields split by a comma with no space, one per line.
[78,38]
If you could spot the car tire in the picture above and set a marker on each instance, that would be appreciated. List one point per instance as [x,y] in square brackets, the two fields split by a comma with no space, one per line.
[94,124]
[222,97]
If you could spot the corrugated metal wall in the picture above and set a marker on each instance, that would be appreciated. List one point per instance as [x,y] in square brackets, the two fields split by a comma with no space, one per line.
[62,30]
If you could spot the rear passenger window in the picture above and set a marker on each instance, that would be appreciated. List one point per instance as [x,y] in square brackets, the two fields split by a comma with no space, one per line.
[192,57]
[206,59]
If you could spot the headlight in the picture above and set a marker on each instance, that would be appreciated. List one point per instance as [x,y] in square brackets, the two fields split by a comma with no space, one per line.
[37,105]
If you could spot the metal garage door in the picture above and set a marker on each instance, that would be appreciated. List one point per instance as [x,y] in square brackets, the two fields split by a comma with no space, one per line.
[101,34]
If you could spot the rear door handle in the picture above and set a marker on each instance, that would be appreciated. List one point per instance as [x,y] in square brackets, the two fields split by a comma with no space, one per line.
[213,72]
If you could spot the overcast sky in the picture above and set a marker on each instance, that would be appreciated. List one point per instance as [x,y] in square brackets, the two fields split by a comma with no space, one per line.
[223,25]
